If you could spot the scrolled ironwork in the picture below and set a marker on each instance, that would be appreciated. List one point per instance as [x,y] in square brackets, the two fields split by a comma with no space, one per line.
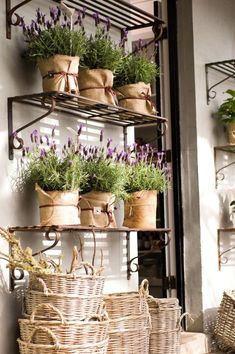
[48,237]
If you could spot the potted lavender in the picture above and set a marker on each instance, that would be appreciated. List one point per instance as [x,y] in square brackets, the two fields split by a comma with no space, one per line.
[56,45]
[99,63]
[146,176]
[106,172]
[58,179]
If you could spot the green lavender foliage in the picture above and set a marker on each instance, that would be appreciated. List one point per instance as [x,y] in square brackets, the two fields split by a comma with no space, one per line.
[134,68]
[52,172]
[57,40]
[226,111]
[145,176]
[106,175]
[101,52]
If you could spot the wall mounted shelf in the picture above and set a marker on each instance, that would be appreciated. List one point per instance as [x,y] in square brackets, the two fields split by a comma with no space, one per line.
[77,106]
[226,67]
[53,234]
[222,259]
[218,172]
[121,13]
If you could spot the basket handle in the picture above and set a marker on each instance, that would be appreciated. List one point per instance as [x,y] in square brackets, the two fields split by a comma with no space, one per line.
[48,332]
[144,288]
[47,307]
[46,290]
[87,267]
[186,314]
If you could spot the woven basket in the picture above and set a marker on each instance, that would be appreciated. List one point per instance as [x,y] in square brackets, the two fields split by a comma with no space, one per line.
[165,318]
[129,323]
[125,304]
[79,284]
[31,347]
[90,331]
[73,307]
[225,322]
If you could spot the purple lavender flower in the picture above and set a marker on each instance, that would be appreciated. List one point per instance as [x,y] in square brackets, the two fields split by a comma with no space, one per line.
[53,132]
[43,154]
[69,142]
[107,24]
[96,18]
[53,13]
[83,11]
[47,140]
[41,140]
[109,142]
[109,153]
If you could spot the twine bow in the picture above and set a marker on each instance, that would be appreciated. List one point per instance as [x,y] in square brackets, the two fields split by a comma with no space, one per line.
[64,75]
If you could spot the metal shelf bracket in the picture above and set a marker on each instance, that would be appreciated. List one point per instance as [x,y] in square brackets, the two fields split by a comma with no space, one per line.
[10,12]
[227,68]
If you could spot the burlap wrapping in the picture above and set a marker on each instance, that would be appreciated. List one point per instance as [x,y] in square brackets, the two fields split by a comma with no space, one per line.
[231,133]
[97,84]
[140,210]
[60,73]
[136,97]
[97,209]
[58,207]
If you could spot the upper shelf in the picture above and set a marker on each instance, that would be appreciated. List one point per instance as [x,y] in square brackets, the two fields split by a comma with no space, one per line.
[121,14]
[80,107]
[226,67]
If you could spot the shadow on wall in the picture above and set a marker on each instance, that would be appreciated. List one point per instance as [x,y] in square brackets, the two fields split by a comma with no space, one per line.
[10,311]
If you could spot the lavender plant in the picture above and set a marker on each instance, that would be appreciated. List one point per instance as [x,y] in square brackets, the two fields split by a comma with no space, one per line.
[105,168]
[51,170]
[57,35]
[101,51]
[145,171]
[134,68]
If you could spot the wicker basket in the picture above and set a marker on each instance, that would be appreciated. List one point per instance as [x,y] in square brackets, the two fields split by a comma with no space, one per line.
[125,304]
[31,347]
[72,307]
[165,318]
[90,331]
[225,322]
[79,284]
[129,323]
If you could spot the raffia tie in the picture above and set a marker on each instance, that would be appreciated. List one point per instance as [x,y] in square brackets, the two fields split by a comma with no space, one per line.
[106,88]
[145,97]
[62,205]
[108,212]
[64,75]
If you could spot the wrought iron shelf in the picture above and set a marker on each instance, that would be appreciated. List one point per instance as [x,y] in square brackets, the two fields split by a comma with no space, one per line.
[53,234]
[121,13]
[222,259]
[226,67]
[225,148]
[77,106]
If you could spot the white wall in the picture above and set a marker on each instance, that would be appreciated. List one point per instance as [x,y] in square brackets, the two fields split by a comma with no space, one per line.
[206,34]
[18,77]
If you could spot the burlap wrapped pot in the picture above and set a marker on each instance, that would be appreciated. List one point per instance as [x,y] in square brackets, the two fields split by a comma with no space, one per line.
[58,207]
[231,133]
[136,97]
[140,210]
[97,209]
[96,84]
[59,73]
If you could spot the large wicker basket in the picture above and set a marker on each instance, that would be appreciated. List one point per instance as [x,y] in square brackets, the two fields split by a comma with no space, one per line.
[32,347]
[73,307]
[129,323]
[80,284]
[90,331]
[225,322]
[165,319]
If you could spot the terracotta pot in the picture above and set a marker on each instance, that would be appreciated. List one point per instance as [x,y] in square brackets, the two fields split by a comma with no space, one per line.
[59,73]
[140,210]
[58,207]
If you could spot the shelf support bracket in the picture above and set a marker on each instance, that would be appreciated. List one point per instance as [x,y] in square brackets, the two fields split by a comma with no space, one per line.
[222,67]
[159,245]
[13,134]
[9,15]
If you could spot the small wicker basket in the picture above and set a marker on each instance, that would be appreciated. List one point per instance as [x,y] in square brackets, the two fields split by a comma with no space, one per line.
[225,322]
[32,347]
[79,284]
[90,331]
[129,323]
[73,307]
